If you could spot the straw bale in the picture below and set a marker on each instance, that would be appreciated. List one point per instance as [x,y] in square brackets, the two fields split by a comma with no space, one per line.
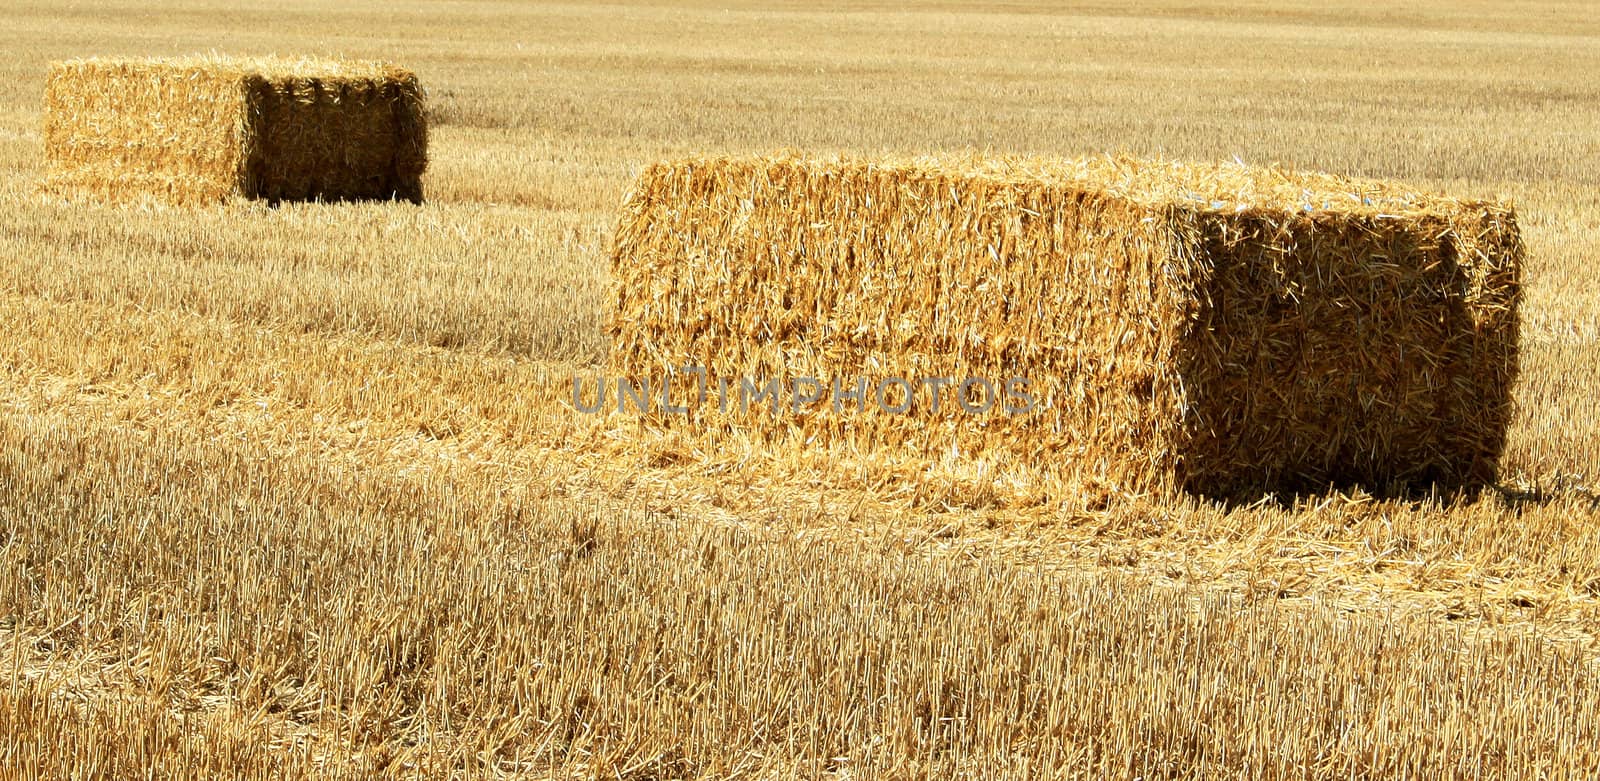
[1220,329]
[206,129]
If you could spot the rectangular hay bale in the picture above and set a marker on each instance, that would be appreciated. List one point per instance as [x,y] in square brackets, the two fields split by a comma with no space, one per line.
[1217,329]
[207,129]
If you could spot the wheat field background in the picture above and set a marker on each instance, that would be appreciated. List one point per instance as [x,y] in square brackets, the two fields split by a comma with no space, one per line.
[292,493]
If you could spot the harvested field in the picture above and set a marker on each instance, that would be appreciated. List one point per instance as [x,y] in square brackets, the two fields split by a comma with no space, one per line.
[300,492]
[656,640]
[200,130]
[1221,329]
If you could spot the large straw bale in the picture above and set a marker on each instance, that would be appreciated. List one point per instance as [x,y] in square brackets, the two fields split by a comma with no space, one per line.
[1219,329]
[206,129]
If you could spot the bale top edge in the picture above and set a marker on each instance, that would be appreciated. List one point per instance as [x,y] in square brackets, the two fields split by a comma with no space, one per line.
[1193,186]
[267,66]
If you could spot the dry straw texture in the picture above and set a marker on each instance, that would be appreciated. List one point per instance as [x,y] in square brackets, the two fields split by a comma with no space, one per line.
[204,129]
[1218,329]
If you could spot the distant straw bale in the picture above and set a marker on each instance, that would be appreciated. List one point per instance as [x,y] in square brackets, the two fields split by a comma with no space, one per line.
[1218,329]
[206,129]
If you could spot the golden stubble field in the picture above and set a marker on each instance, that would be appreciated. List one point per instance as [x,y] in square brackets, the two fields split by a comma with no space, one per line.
[292,493]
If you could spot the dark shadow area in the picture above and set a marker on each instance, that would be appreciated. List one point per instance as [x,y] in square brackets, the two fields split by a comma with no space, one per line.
[1287,498]
[1540,496]
[1312,371]
[412,197]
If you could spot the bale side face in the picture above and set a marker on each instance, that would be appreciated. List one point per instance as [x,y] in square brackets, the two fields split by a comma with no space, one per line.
[336,138]
[1339,349]
[784,269]
[125,131]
